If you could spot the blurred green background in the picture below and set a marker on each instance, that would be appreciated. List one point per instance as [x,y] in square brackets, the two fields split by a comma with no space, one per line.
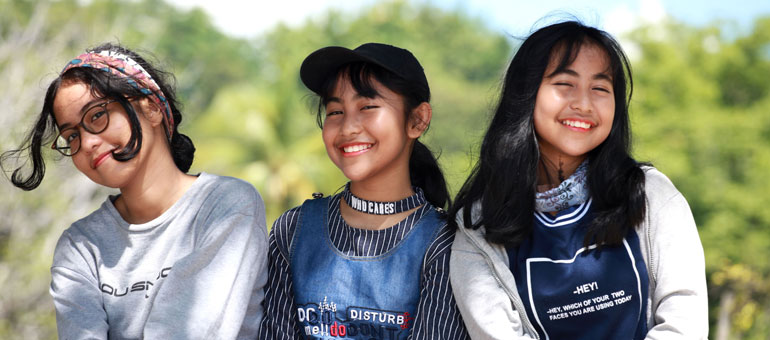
[700,113]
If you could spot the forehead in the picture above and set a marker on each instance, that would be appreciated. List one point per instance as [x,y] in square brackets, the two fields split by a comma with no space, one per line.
[70,100]
[370,87]
[587,54]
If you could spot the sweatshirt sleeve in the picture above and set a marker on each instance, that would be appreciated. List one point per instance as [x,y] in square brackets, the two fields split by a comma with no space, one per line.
[215,292]
[76,294]
[437,314]
[280,321]
[676,263]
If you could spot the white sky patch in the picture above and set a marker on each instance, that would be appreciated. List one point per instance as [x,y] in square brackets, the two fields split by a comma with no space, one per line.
[652,11]
[247,19]
[619,20]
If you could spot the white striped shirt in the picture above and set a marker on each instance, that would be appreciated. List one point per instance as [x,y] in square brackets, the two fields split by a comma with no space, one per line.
[437,314]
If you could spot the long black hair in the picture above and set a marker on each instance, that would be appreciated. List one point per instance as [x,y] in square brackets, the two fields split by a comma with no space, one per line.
[424,171]
[504,179]
[102,85]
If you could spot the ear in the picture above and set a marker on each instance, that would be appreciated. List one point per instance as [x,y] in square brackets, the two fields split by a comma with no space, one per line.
[419,120]
[151,111]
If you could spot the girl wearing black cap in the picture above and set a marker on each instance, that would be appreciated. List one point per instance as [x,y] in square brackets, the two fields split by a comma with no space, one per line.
[562,234]
[372,261]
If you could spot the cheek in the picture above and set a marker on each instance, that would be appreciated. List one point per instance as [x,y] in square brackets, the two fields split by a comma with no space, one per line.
[328,133]
[608,115]
[119,129]
[539,118]
[549,101]
[81,162]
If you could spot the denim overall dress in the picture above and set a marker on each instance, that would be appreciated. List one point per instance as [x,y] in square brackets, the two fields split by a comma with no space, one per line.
[356,297]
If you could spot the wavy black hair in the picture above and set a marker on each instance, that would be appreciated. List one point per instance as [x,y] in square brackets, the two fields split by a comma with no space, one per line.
[102,85]
[504,180]
[424,171]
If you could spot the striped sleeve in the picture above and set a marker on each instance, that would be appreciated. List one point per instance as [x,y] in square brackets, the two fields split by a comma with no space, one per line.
[437,313]
[279,321]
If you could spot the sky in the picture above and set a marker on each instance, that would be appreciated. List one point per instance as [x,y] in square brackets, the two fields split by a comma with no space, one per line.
[248,19]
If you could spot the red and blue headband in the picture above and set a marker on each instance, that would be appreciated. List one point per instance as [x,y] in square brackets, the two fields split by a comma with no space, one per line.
[123,66]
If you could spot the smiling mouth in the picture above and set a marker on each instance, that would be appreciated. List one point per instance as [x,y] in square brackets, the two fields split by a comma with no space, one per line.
[356,148]
[577,124]
[99,160]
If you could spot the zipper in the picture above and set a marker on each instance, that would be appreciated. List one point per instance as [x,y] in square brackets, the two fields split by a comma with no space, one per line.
[648,233]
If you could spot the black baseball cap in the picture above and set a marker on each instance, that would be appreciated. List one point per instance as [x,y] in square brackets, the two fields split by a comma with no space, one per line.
[320,64]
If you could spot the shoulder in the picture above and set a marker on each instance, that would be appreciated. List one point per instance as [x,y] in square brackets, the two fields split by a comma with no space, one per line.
[222,196]
[466,236]
[224,206]
[284,228]
[656,183]
[441,245]
[80,243]
[658,188]
[97,225]
[228,188]
[470,249]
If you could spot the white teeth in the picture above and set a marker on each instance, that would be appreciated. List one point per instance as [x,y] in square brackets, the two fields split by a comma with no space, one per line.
[356,148]
[582,125]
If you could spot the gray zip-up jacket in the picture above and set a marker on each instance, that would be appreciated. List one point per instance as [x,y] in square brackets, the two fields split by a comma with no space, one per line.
[677,306]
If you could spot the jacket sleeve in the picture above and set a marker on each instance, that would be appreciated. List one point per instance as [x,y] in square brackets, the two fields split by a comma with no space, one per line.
[485,305]
[679,303]
[216,291]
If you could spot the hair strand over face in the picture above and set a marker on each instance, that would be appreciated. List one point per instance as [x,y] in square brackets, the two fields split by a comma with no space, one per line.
[101,85]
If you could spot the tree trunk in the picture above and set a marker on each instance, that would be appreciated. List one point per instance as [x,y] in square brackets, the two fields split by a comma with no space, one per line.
[726,303]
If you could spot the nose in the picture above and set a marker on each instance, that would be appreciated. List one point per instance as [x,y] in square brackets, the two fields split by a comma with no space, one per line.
[88,141]
[351,124]
[581,101]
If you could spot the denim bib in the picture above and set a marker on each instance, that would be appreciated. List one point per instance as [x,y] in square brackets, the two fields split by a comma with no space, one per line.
[356,297]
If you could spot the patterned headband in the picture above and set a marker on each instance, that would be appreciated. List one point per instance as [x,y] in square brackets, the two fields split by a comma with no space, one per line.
[123,66]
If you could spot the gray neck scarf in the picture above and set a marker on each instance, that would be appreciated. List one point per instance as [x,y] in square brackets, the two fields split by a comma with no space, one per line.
[573,191]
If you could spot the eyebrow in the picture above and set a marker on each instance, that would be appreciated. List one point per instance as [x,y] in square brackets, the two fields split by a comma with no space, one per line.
[94,102]
[603,75]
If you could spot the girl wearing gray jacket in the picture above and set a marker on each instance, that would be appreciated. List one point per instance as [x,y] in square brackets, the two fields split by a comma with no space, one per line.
[562,235]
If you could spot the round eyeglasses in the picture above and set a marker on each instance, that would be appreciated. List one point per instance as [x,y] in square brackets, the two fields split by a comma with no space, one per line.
[95,121]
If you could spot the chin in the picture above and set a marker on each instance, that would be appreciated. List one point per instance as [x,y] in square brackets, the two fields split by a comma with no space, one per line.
[113,179]
[354,176]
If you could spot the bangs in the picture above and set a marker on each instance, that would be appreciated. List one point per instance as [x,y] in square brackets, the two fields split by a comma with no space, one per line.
[360,76]
[566,51]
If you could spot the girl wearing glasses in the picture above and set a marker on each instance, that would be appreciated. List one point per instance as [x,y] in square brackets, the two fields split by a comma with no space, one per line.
[371,262]
[171,255]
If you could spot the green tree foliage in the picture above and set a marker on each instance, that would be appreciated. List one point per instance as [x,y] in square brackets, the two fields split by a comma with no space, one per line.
[702,115]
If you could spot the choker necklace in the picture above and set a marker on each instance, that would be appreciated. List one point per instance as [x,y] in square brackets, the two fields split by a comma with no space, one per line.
[383,208]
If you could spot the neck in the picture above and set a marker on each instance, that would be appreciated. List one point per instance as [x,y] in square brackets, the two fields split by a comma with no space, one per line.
[551,172]
[382,189]
[153,191]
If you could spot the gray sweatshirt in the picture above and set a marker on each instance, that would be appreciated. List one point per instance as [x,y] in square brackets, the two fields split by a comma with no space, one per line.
[195,272]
